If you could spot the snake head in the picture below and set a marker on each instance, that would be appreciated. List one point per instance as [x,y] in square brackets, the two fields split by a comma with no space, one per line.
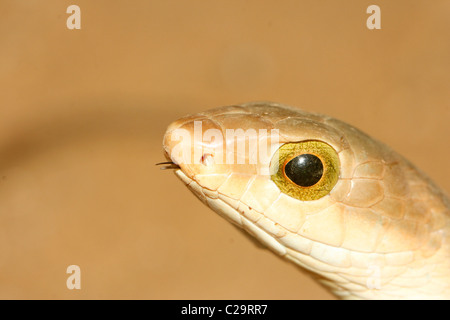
[316,191]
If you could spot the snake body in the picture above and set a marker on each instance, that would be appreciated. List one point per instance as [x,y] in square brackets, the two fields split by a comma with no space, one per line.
[381,232]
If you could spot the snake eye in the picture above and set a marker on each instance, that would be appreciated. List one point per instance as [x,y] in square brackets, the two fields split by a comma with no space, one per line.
[306,170]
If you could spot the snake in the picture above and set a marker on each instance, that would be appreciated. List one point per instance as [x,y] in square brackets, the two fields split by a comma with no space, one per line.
[357,216]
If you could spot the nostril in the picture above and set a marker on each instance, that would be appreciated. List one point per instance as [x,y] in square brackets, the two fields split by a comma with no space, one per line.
[207,159]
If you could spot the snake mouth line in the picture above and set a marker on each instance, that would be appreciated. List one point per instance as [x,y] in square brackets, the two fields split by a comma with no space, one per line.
[168,165]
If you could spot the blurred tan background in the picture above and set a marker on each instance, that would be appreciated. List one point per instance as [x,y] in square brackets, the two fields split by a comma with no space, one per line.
[83,112]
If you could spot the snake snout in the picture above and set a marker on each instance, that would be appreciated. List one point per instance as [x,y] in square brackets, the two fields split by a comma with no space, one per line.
[195,143]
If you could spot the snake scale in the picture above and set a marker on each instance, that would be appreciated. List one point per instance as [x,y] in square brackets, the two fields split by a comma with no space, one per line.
[359,217]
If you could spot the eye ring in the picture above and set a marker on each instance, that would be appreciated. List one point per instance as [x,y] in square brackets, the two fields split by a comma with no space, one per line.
[313,169]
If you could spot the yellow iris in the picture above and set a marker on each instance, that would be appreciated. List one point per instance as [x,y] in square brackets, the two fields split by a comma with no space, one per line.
[306,170]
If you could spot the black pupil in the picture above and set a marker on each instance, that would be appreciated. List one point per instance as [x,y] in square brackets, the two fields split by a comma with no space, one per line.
[304,170]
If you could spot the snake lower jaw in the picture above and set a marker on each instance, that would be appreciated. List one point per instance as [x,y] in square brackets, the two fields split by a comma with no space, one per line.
[223,207]
[186,180]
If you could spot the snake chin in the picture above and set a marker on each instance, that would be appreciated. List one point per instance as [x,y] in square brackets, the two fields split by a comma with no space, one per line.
[221,205]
